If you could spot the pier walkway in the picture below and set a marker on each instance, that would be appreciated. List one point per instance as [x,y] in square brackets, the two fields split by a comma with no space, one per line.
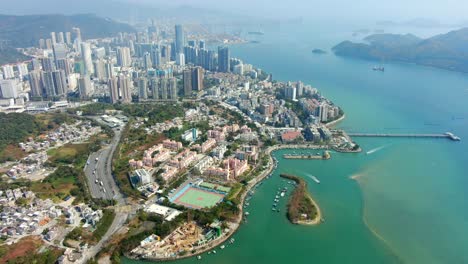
[447,135]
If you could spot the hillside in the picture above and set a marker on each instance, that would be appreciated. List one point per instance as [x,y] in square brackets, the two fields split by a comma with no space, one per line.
[25,31]
[447,51]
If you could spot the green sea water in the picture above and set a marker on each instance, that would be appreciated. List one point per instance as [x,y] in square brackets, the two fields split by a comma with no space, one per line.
[408,201]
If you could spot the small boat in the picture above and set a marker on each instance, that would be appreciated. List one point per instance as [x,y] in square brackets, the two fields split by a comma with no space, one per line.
[222,247]
[246,213]
[198,257]
[282,194]
[273,209]
[378,68]
[315,179]
[214,251]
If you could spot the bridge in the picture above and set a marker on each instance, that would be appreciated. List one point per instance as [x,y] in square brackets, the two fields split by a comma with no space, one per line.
[447,135]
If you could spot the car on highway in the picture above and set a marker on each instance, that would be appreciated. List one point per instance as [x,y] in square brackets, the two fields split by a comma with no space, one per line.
[102,184]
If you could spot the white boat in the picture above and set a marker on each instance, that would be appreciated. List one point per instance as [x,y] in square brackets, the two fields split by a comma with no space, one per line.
[222,247]
[315,179]
[199,257]
[282,194]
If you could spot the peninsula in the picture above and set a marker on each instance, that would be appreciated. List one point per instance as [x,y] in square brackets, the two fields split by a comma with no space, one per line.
[302,209]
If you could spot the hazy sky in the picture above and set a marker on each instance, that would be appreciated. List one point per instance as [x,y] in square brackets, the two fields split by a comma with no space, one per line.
[447,10]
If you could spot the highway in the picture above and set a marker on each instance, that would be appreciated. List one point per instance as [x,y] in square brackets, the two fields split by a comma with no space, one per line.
[101,170]
[98,171]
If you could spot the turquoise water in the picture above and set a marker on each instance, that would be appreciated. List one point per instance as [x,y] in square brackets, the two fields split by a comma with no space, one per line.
[409,202]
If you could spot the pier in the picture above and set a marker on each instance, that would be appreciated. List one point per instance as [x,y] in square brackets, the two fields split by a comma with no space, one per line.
[447,135]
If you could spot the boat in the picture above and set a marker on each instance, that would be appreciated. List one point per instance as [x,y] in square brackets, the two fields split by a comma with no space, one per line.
[273,209]
[199,257]
[222,247]
[231,240]
[247,213]
[315,179]
[282,194]
[378,68]
[214,251]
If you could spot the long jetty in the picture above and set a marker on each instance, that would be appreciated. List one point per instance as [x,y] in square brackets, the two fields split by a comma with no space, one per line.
[447,135]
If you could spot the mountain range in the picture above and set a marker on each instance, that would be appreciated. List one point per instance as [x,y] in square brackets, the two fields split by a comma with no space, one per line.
[25,31]
[447,51]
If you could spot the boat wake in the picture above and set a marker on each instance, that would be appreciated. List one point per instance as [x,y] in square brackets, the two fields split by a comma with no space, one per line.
[376,149]
[313,178]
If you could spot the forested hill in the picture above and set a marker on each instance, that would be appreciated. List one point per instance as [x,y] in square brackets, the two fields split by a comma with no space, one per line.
[25,31]
[447,51]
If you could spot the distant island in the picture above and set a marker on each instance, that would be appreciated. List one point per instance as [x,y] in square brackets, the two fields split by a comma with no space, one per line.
[318,51]
[302,209]
[447,51]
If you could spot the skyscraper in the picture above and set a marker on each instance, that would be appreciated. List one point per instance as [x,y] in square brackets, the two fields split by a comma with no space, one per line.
[60,38]
[22,69]
[197,78]
[48,82]
[100,70]
[35,83]
[201,44]
[60,82]
[53,37]
[180,59]
[8,72]
[143,88]
[85,86]
[9,88]
[113,85]
[64,64]
[48,64]
[179,39]
[223,59]
[86,56]
[147,62]
[124,58]
[60,52]
[187,76]
[76,34]
[68,38]
[156,56]
[125,88]
[54,83]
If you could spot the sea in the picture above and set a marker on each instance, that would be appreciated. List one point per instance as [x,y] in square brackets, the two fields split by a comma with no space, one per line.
[402,200]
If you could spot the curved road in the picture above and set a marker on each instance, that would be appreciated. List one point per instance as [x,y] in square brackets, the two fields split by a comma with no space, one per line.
[101,170]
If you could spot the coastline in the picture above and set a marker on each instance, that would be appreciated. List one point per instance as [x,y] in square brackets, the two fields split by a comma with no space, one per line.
[235,226]
[332,123]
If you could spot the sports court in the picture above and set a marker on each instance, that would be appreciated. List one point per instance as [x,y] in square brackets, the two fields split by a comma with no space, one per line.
[197,198]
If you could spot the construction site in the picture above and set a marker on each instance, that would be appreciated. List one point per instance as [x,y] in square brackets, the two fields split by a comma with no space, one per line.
[186,238]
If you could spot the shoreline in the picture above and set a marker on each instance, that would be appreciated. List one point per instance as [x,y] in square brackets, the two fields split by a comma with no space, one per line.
[332,123]
[251,184]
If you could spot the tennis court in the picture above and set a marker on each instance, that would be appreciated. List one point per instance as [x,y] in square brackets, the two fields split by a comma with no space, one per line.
[196,198]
